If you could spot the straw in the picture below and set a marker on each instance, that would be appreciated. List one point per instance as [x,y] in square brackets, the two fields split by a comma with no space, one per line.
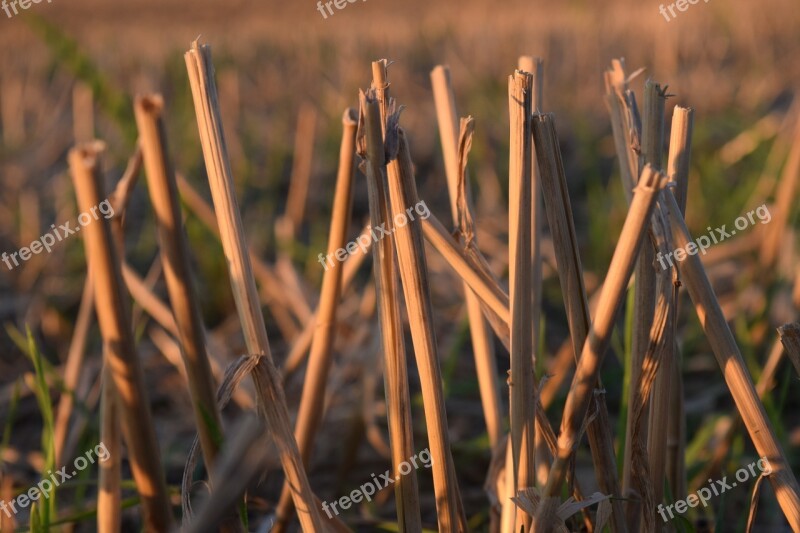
[522,388]
[77,345]
[737,377]
[272,404]
[408,242]
[652,432]
[312,401]
[120,354]
[534,65]
[452,136]
[565,242]
[596,344]
[398,400]
[765,382]
[479,279]
[178,273]
[680,147]
[109,482]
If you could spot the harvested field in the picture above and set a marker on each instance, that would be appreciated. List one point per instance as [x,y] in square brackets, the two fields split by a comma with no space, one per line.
[409,266]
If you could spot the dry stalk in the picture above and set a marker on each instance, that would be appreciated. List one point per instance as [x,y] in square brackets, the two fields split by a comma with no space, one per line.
[113,316]
[178,273]
[680,152]
[765,382]
[479,279]
[447,118]
[625,123]
[659,347]
[680,149]
[534,65]
[493,298]
[319,361]
[109,511]
[655,99]
[147,300]
[455,144]
[737,377]
[402,193]
[380,84]
[627,129]
[583,383]
[565,242]
[109,478]
[398,401]
[471,267]
[77,346]
[272,403]
[652,432]
[522,387]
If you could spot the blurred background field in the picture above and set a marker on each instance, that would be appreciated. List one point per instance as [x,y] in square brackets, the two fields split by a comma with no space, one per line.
[280,64]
